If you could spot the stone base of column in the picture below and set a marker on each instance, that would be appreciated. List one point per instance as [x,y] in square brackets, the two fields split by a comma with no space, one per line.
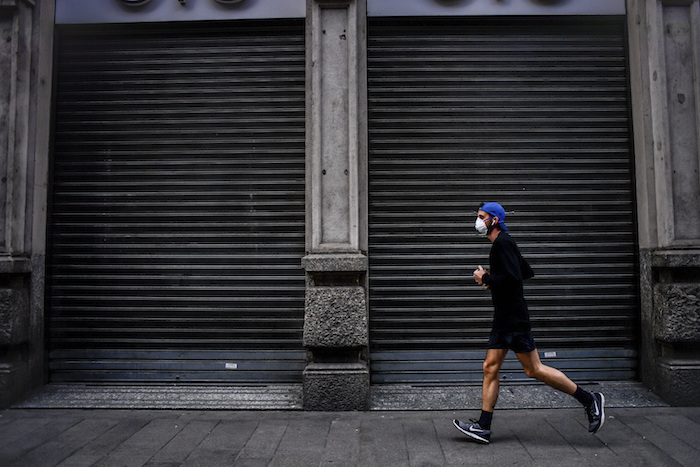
[336,387]
[679,381]
[14,383]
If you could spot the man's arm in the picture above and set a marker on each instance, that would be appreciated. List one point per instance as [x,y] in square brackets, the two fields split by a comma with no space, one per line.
[508,260]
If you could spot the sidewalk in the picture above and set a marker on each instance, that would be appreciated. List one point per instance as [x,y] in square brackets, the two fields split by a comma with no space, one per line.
[76,437]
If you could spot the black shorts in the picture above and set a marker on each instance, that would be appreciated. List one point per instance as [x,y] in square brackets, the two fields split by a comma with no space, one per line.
[518,342]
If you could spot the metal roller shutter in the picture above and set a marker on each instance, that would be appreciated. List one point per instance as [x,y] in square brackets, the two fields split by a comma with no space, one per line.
[532,113]
[177,218]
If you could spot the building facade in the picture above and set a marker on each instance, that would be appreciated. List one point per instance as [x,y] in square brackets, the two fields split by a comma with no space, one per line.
[236,193]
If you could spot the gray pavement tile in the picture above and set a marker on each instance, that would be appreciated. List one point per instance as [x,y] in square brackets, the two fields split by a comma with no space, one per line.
[296,458]
[19,428]
[304,441]
[573,427]
[4,419]
[343,442]
[250,462]
[105,443]
[222,444]
[539,438]
[628,444]
[228,435]
[207,458]
[422,443]
[382,441]
[177,450]
[308,434]
[692,413]
[144,444]
[264,441]
[58,448]
[680,426]
[667,441]
[16,444]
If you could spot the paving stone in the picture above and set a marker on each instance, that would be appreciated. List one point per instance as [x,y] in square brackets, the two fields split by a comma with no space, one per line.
[692,413]
[657,429]
[208,458]
[144,444]
[101,446]
[540,440]
[19,429]
[630,445]
[306,433]
[182,445]
[264,441]
[343,444]
[62,446]
[15,447]
[222,444]
[573,427]
[382,442]
[680,426]
[422,443]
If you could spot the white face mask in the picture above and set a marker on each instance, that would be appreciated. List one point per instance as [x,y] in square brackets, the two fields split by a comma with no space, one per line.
[480,226]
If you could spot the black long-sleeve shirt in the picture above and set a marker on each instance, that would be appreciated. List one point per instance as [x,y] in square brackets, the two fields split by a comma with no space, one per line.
[507,270]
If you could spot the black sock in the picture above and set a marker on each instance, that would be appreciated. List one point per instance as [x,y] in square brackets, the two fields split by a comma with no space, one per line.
[584,397]
[485,420]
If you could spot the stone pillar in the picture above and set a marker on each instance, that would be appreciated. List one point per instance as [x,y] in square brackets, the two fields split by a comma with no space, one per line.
[665,79]
[25,99]
[335,321]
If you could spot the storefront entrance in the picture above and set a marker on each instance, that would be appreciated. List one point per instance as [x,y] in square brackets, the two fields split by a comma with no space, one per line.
[177,210]
[532,113]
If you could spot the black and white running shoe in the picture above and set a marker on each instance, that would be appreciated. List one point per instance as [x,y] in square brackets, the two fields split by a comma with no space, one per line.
[596,412]
[474,431]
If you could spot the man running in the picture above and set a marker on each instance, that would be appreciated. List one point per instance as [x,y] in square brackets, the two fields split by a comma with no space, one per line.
[511,328]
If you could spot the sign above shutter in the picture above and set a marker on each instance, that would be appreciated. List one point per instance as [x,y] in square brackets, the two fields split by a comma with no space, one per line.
[494,8]
[125,11]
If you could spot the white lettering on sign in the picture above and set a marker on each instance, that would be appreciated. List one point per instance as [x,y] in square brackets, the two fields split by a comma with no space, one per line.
[550,355]
[232,366]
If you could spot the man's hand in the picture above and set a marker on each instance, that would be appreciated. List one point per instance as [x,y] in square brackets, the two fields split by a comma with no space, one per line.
[479,274]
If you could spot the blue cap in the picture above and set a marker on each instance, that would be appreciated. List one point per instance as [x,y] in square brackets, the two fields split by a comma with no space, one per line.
[496,210]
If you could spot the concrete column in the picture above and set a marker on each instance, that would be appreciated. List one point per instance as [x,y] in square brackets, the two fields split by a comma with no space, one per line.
[335,322]
[664,38]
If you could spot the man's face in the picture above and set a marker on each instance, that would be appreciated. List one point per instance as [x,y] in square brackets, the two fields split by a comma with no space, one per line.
[484,216]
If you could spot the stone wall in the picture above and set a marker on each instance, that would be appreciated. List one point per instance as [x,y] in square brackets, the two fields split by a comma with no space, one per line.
[25,86]
[664,69]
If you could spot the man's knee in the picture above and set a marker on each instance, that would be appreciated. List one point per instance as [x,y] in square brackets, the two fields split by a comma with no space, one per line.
[532,372]
[490,368]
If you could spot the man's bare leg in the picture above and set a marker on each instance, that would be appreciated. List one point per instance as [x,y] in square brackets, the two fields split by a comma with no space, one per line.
[534,368]
[492,365]
[481,431]
[594,403]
